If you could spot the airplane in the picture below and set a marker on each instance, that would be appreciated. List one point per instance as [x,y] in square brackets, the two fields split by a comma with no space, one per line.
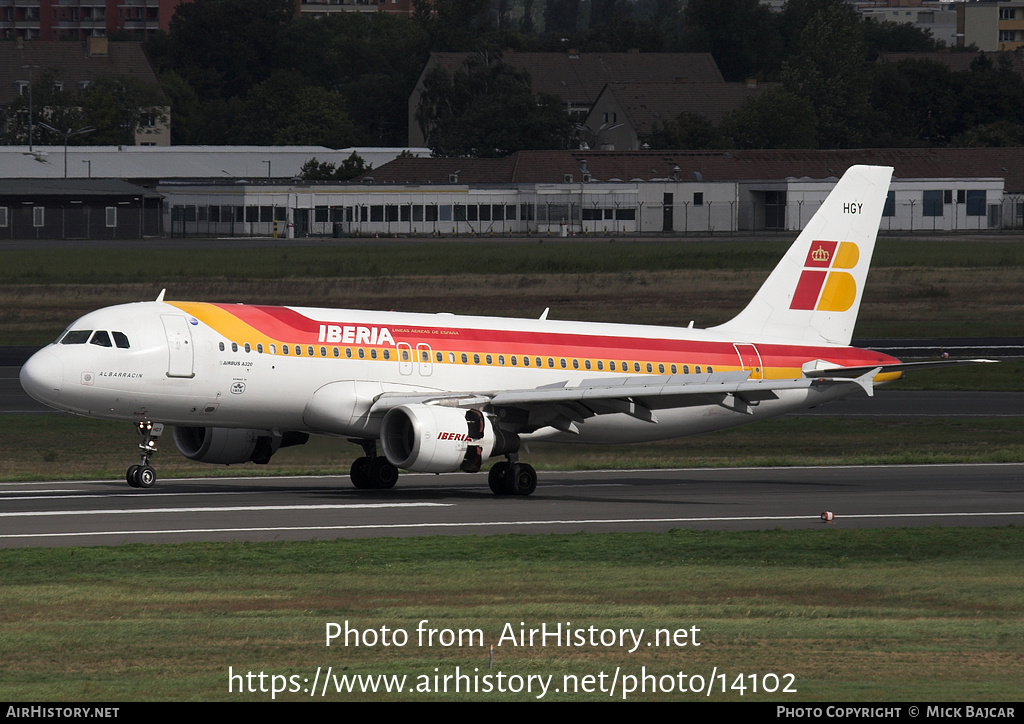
[444,393]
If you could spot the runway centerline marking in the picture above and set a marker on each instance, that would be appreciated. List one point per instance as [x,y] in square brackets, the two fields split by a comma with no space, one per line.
[227,509]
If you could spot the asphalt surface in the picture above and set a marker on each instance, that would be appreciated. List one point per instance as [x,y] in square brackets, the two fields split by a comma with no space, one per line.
[48,514]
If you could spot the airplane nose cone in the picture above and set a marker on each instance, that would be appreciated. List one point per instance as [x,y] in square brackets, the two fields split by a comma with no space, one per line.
[42,376]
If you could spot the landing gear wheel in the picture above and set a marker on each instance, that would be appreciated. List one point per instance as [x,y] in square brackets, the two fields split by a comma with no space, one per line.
[360,473]
[524,479]
[141,476]
[383,474]
[145,476]
[497,479]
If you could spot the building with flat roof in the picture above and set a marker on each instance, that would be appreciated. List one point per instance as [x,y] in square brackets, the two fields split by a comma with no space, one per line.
[991,25]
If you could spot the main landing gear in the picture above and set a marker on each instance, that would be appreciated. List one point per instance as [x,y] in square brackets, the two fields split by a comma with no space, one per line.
[372,471]
[143,475]
[512,478]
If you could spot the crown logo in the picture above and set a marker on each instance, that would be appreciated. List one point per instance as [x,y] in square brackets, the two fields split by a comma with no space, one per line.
[820,254]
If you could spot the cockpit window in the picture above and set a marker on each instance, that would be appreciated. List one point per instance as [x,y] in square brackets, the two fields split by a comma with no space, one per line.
[78,336]
[121,340]
[101,339]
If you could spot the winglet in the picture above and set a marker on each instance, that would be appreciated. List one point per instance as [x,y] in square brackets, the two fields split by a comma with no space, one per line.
[160,296]
[544,314]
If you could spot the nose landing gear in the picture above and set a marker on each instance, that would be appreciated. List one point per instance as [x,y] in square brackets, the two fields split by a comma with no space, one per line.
[143,475]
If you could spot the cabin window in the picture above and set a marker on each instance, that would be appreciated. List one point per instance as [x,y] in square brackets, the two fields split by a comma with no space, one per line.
[611,365]
[476,359]
[440,356]
[309,351]
[696,369]
[587,364]
[273,349]
[348,352]
[514,361]
[661,369]
[373,353]
[562,362]
[234,346]
[284,348]
[451,357]
[575,364]
[674,369]
[600,365]
[361,352]
[710,370]
[247,348]
[323,351]
[539,362]
[335,351]
[490,360]
[636,366]
[501,360]
[221,345]
[259,349]
[526,361]
[298,351]
[464,358]
[387,354]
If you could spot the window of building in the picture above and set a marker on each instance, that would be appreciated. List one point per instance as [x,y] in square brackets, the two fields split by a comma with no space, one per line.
[110,214]
[975,203]
[698,198]
[890,204]
[38,216]
[931,203]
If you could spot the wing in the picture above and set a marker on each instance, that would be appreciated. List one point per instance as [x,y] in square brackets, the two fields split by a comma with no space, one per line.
[562,406]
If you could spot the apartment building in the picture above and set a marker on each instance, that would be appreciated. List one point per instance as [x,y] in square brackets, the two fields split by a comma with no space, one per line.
[81,19]
[991,25]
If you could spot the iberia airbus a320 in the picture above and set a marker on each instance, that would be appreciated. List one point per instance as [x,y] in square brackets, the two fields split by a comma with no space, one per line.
[444,393]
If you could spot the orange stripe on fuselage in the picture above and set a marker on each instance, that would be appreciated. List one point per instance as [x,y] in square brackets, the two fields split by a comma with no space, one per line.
[282,325]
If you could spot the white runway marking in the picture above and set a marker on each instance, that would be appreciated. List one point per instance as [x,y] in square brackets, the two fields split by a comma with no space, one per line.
[237,508]
[507,523]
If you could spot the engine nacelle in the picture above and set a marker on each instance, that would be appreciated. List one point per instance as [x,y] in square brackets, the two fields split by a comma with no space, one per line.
[435,439]
[226,446]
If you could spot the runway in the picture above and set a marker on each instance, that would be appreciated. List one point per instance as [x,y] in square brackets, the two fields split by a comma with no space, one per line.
[48,514]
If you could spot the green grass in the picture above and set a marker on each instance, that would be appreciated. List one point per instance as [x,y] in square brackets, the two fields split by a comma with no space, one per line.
[854,615]
[429,257]
[57,447]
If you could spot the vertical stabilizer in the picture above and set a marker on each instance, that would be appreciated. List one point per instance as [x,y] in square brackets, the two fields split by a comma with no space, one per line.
[813,295]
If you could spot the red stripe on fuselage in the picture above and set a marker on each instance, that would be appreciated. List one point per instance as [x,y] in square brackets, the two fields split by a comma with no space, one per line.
[290,327]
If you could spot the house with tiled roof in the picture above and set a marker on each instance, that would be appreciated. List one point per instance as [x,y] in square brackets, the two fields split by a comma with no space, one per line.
[578,78]
[76,67]
[624,113]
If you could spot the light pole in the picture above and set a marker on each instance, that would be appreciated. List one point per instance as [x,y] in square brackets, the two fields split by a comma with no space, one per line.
[68,134]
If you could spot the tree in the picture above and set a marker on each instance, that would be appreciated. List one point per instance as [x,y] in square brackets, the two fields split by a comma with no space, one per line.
[354,165]
[742,35]
[487,109]
[830,69]
[119,107]
[691,131]
[284,111]
[777,118]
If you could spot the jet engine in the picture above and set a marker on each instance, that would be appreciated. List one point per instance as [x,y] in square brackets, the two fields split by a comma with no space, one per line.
[226,446]
[435,439]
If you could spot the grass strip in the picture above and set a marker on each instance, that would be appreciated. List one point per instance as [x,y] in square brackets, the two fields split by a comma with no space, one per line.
[59,447]
[854,615]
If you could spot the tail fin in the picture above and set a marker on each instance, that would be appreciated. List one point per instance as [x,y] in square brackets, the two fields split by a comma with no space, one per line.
[814,294]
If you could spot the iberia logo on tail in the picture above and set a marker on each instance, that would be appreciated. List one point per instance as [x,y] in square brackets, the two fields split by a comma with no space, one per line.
[821,288]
